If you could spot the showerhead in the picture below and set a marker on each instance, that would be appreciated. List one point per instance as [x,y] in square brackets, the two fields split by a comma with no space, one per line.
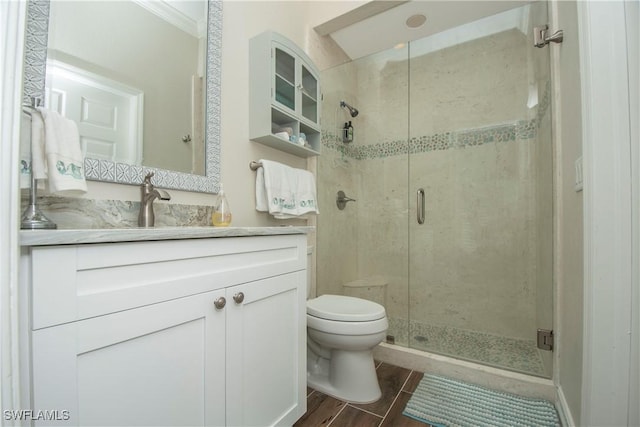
[352,110]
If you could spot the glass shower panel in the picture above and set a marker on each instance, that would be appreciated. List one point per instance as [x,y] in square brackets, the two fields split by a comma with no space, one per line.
[480,266]
[362,249]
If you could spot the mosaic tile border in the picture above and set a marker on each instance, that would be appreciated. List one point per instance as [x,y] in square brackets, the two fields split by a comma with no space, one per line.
[545,102]
[518,131]
[502,352]
[510,132]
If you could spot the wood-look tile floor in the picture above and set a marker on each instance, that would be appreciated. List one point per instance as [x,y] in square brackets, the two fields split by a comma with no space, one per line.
[396,384]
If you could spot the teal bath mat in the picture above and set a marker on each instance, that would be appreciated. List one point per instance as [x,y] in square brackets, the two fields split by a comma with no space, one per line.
[442,401]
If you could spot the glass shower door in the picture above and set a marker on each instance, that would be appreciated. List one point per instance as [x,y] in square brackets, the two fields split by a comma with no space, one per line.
[480,171]
[363,247]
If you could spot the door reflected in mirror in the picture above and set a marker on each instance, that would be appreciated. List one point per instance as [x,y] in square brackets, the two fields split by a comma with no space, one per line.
[132,74]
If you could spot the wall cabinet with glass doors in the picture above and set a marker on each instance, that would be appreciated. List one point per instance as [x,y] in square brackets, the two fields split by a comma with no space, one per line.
[284,96]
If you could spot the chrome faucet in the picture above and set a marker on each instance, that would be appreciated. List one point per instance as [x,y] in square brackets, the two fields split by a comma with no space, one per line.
[148,193]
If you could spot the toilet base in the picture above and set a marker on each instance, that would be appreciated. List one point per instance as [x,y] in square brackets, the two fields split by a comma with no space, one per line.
[349,376]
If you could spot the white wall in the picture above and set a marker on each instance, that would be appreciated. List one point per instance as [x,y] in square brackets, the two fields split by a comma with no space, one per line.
[243,20]
[610,218]
[632,10]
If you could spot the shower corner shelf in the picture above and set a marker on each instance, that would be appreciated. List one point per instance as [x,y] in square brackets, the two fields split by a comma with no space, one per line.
[284,94]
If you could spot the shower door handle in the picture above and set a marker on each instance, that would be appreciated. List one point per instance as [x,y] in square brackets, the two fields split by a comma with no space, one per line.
[420,206]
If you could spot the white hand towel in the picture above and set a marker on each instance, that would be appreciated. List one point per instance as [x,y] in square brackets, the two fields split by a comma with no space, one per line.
[285,192]
[38,157]
[57,155]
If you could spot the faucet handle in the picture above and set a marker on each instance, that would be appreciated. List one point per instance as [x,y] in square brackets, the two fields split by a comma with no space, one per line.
[147,178]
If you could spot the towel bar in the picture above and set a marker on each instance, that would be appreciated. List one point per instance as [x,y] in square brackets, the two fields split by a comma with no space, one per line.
[254,166]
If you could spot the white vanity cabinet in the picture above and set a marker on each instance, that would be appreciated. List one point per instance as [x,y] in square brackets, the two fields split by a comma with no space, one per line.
[284,93]
[180,332]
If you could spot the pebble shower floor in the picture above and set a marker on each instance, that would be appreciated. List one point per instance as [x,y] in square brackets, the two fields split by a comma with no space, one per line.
[501,352]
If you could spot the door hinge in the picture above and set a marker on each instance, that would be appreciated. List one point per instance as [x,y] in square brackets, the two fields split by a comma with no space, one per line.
[541,36]
[545,339]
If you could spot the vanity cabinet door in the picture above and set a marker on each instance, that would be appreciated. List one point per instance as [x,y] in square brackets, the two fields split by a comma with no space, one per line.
[161,364]
[266,351]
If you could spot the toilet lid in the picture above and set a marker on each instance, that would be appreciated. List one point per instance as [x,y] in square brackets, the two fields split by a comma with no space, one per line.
[344,308]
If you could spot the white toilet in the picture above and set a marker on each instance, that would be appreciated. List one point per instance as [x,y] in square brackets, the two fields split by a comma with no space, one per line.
[341,334]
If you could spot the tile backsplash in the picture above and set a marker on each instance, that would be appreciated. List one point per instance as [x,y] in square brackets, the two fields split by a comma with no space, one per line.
[77,213]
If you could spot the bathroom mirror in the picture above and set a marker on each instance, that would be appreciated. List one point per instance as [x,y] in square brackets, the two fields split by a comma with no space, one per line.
[202,178]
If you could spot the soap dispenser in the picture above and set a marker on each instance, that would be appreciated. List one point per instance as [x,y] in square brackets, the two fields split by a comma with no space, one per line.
[347,132]
[221,216]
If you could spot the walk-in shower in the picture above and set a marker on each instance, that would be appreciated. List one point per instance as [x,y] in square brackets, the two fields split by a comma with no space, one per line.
[462,116]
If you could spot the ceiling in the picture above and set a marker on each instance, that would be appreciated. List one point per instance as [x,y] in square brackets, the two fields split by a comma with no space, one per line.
[386,29]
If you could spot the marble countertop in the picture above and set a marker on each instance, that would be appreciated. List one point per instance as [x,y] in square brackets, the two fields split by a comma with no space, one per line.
[109,235]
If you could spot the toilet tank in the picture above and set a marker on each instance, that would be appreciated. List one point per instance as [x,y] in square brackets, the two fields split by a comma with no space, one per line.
[373,288]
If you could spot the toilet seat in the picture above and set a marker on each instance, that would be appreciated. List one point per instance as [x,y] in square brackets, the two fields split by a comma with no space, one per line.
[344,309]
[337,327]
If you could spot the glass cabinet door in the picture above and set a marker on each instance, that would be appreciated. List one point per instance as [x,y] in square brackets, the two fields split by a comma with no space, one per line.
[285,76]
[309,91]
[284,94]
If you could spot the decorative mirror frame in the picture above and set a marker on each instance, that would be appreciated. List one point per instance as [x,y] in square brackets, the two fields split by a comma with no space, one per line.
[36,39]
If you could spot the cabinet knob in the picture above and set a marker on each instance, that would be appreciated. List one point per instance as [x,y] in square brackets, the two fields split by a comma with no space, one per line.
[220,303]
[238,298]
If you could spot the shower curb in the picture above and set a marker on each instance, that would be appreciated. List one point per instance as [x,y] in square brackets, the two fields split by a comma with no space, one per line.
[494,378]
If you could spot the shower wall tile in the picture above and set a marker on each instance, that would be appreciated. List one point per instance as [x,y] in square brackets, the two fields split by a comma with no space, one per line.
[382,227]
[519,130]
[383,98]
[337,243]
[470,85]
[471,260]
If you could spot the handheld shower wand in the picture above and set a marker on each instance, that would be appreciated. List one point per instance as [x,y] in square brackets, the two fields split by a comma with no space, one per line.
[352,110]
